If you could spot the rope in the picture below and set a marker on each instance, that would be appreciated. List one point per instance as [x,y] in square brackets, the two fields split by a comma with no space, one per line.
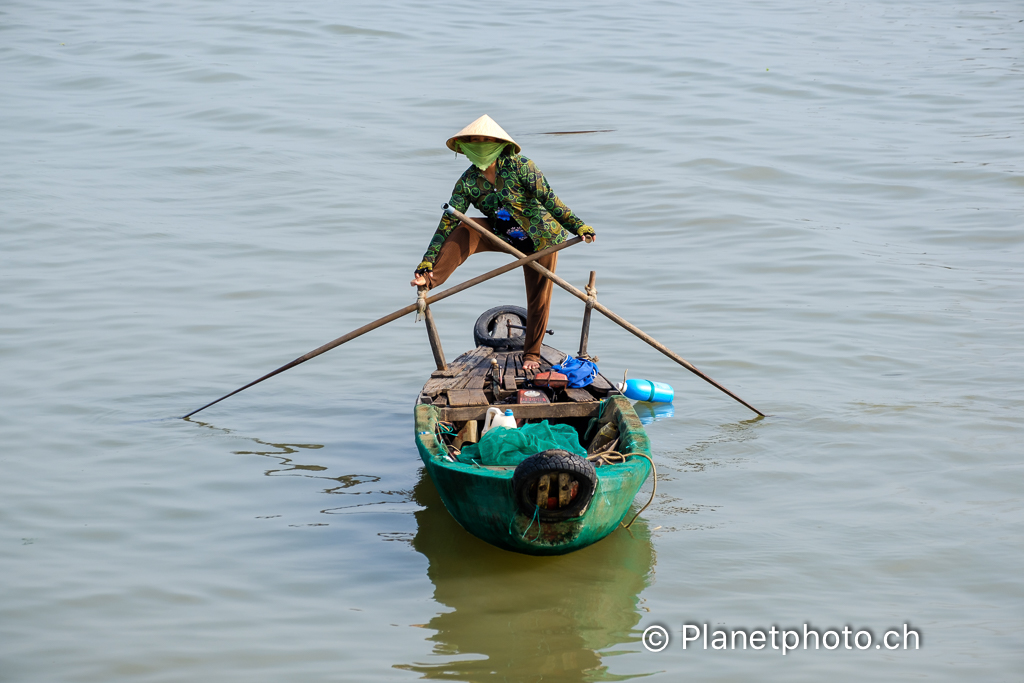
[614,457]
[443,429]
[421,304]
[536,518]
[599,458]
[446,428]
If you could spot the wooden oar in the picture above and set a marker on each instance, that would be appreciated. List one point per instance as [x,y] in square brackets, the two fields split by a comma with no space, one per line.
[618,320]
[391,317]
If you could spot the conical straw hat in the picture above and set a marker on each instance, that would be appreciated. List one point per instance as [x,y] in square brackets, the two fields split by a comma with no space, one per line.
[485,126]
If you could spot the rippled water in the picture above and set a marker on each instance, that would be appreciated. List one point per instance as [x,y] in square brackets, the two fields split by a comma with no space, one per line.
[818,204]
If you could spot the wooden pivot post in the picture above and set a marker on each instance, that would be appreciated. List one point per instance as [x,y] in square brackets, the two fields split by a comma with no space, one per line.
[435,341]
[591,299]
[495,376]
[432,335]
[617,319]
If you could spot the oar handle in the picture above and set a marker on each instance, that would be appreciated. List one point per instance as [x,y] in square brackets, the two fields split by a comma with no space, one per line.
[620,321]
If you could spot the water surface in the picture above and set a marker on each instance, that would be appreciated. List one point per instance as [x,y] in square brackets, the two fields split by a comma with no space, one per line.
[817,204]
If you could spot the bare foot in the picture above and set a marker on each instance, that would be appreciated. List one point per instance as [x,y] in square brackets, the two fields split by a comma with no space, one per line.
[531,365]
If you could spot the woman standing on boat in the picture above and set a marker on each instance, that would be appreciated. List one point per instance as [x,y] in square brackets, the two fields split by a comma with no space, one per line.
[518,206]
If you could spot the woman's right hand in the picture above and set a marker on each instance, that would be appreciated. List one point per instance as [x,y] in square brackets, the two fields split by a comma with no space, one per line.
[423,271]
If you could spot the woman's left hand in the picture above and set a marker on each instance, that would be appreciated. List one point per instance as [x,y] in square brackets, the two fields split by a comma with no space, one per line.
[587,233]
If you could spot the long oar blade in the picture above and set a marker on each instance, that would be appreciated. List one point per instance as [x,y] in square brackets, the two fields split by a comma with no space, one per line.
[391,317]
[618,320]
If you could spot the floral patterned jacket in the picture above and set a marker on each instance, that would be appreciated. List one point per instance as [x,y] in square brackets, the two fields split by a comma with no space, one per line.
[523,191]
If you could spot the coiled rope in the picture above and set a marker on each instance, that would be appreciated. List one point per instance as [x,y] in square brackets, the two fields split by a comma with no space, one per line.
[610,457]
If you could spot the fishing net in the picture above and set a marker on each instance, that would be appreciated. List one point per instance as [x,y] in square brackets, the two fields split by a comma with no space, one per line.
[509,447]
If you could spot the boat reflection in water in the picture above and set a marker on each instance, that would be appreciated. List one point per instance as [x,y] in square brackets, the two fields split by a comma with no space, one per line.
[652,412]
[523,618]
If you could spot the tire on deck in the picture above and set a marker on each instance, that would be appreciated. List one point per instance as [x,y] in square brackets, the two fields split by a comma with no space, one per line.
[490,329]
[527,476]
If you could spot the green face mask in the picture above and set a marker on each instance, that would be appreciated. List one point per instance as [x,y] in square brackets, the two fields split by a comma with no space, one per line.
[482,154]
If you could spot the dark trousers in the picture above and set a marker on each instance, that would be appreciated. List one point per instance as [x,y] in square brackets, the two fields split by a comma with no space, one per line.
[464,241]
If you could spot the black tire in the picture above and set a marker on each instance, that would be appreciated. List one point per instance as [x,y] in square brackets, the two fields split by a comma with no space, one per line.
[553,461]
[485,328]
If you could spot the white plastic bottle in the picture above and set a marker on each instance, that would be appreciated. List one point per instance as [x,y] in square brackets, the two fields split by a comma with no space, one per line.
[494,418]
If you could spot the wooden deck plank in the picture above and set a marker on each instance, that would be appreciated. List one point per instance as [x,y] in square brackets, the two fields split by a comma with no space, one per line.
[467,397]
[528,411]
[475,376]
[603,385]
[551,356]
[579,395]
[508,376]
[436,385]
[460,365]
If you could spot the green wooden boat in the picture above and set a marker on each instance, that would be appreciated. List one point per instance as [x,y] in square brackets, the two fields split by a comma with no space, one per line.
[512,507]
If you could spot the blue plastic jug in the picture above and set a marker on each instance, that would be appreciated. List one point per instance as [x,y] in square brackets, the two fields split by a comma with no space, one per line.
[646,390]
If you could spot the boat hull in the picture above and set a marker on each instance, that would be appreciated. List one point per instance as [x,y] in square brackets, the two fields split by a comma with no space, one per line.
[481,499]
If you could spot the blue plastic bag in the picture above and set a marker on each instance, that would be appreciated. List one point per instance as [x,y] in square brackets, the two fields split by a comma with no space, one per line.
[579,372]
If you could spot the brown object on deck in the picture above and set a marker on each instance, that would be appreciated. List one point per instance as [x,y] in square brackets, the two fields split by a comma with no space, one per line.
[528,396]
[618,320]
[550,379]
